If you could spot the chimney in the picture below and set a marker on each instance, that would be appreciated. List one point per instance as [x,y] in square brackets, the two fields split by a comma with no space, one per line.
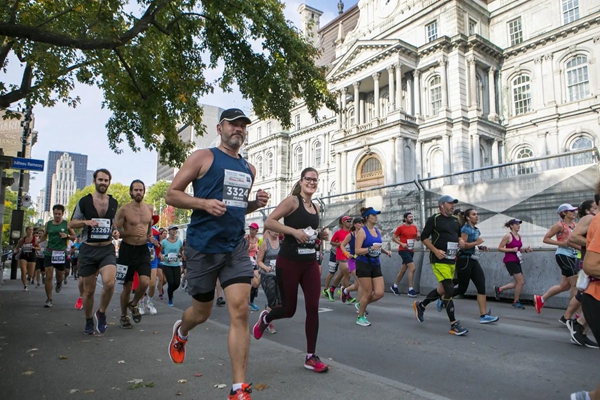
[310,22]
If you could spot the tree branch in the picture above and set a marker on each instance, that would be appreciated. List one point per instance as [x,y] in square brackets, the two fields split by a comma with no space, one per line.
[60,14]
[5,49]
[131,73]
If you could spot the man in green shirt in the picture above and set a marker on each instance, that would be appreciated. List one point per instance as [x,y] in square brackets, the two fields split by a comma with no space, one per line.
[57,234]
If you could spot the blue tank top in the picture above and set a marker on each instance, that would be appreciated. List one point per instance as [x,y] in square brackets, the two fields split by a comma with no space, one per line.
[372,257]
[228,179]
[352,243]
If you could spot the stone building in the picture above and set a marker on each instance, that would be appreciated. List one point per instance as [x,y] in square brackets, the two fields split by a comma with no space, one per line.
[63,183]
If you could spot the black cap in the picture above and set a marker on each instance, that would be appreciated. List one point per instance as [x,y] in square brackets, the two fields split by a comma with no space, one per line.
[232,114]
[406,214]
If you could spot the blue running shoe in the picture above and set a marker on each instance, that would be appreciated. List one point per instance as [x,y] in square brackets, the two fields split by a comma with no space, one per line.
[253,307]
[89,327]
[419,311]
[488,319]
[170,304]
[412,293]
[395,290]
[457,329]
[100,321]
[439,305]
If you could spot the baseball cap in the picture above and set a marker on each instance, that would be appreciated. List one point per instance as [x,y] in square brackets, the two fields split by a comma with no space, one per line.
[371,211]
[232,114]
[406,214]
[565,207]
[346,218]
[447,199]
[358,220]
[172,227]
[515,221]
[253,225]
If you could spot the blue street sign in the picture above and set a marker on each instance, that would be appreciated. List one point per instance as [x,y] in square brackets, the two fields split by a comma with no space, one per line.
[28,164]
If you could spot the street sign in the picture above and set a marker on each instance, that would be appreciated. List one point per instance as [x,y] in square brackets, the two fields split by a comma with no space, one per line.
[28,164]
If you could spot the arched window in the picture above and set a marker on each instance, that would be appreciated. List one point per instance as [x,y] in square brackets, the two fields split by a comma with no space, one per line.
[350,117]
[318,154]
[259,166]
[521,86]
[578,81]
[435,94]
[269,163]
[581,143]
[525,167]
[436,162]
[369,172]
[298,158]
[408,164]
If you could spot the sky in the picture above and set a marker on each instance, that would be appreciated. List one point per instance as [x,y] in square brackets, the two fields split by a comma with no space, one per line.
[82,129]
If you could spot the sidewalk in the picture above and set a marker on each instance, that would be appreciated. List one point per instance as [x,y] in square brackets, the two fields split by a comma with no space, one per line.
[45,355]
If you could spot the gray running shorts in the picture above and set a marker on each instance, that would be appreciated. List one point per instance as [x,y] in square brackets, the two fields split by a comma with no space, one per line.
[93,258]
[203,269]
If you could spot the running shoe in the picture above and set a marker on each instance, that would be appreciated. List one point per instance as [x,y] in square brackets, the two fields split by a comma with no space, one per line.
[314,364]
[241,394]
[580,396]
[100,321]
[79,303]
[439,305]
[488,319]
[177,345]
[325,293]
[37,286]
[253,307]
[518,305]
[135,312]
[419,310]
[362,321]
[457,329]
[161,297]
[89,327]
[538,302]
[25,289]
[589,343]
[343,294]
[330,294]
[260,326]
[412,293]
[65,282]
[395,290]
[340,292]
[271,329]
[350,300]
[497,292]
[48,303]
[563,320]
[125,323]
[221,302]
[150,306]
[170,303]
[58,287]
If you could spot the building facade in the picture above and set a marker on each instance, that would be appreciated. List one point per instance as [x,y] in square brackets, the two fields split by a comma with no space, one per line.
[64,183]
[435,87]
[80,162]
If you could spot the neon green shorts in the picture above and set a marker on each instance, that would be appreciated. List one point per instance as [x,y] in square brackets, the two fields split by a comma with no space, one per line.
[443,271]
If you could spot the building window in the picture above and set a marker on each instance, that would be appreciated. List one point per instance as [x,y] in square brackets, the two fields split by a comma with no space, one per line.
[269,129]
[570,10]
[298,161]
[472,27]
[297,122]
[515,31]
[436,162]
[524,168]
[259,166]
[269,163]
[578,82]
[259,132]
[318,150]
[435,94]
[522,94]
[581,143]
[351,118]
[369,173]
[431,31]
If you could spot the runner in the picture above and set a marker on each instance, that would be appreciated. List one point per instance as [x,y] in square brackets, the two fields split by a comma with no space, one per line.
[222,181]
[468,267]
[134,222]
[267,261]
[172,247]
[444,230]
[147,303]
[56,233]
[368,266]
[405,236]
[342,261]
[329,291]
[40,248]
[95,213]
[68,261]
[349,246]
[252,240]
[159,272]
[26,246]
[566,256]
[75,256]
[511,245]
[297,262]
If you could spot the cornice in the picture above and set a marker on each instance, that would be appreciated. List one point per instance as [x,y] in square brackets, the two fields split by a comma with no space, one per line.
[313,127]
[259,143]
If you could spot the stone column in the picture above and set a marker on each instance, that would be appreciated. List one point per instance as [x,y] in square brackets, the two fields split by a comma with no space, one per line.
[446,147]
[475,151]
[495,153]
[472,81]
[376,76]
[444,64]
[344,122]
[393,162]
[357,110]
[409,94]
[391,91]
[419,158]
[339,115]
[362,109]
[417,88]
[398,86]
[492,84]
[344,174]
[338,166]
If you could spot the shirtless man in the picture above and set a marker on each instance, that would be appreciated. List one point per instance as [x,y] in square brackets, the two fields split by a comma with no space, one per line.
[134,222]
[95,213]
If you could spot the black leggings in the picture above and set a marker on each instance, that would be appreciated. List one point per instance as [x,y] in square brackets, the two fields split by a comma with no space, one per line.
[446,299]
[173,277]
[271,289]
[290,274]
[591,312]
[467,270]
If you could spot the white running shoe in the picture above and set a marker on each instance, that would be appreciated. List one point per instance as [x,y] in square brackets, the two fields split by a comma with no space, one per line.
[141,305]
[150,306]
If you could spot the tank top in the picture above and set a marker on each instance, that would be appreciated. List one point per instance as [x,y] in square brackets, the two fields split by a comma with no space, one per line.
[352,244]
[300,219]
[102,232]
[563,236]
[55,242]
[270,257]
[228,179]
[28,246]
[513,244]
[372,257]
[252,247]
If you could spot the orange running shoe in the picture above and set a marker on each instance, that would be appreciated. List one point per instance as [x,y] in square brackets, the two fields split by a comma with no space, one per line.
[241,394]
[177,345]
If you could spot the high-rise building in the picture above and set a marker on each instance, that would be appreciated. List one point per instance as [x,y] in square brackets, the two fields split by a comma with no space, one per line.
[40,212]
[63,181]
[210,118]
[89,177]
[80,172]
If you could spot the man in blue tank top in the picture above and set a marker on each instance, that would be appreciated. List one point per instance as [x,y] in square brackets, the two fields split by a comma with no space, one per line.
[216,248]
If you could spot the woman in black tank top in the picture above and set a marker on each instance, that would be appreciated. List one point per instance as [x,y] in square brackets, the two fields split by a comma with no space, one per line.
[297,264]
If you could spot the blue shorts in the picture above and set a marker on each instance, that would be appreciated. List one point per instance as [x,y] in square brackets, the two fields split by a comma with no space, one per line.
[407,256]
[154,264]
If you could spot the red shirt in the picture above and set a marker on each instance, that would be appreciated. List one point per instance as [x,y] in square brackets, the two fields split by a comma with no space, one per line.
[406,233]
[339,236]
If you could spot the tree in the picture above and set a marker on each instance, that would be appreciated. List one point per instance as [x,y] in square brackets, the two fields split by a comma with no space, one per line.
[155,195]
[10,204]
[152,67]
[119,191]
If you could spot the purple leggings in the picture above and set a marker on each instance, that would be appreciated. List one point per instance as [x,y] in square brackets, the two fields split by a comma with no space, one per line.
[290,274]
